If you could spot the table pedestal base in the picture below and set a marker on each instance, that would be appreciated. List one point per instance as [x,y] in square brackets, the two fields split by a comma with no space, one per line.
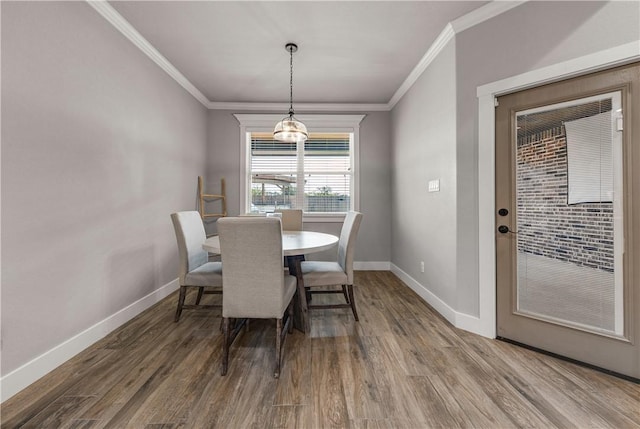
[300,309]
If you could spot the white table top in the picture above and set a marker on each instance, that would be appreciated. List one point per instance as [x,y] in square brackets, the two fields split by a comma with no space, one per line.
[293,242]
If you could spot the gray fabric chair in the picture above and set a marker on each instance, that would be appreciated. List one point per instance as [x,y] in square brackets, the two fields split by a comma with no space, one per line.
[340,272]
[254,283]
[291,219]
[194,268]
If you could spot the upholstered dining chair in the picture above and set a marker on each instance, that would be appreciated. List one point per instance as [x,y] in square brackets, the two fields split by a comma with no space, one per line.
[335,273]
[255,286]
[194,269]
[291,219]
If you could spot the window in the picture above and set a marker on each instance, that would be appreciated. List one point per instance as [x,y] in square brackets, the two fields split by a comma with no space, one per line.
[319,175]
[319,182]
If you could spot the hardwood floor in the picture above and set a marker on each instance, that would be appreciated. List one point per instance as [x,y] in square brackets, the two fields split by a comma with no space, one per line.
[401,366]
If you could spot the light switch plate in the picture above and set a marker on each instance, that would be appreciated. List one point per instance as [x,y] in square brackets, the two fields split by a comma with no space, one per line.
[434,185]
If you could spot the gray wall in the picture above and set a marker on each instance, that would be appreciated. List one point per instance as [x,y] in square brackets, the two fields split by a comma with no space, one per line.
[99,146]
[424,149]
[374,238]
[435,131]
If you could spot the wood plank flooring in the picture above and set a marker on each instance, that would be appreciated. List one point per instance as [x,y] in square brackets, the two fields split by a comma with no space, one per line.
[401,366]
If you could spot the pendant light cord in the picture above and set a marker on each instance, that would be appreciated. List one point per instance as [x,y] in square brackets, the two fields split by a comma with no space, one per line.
[291,81]
[289,129]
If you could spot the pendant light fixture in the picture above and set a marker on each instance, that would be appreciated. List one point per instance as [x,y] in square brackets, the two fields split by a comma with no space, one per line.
[289,129]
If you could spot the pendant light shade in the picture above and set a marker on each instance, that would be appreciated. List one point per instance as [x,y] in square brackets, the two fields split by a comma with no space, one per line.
[289,129]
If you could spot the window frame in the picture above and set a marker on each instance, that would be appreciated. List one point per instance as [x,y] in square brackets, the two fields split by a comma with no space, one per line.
[250,123]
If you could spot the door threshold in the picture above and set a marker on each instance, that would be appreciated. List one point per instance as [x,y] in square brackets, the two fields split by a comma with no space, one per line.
[570,360]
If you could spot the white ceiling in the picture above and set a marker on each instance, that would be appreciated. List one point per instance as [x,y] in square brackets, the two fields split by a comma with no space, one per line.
[349,51]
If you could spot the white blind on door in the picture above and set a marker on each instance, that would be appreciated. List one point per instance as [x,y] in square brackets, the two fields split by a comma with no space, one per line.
[590,159]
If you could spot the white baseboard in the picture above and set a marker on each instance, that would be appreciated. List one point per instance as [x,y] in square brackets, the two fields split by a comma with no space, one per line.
[439,305]
[475,324]
[459,320]
[18,379]
[372,266]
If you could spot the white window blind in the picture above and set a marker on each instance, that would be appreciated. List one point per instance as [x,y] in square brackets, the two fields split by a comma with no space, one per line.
[590,159]
[316,175]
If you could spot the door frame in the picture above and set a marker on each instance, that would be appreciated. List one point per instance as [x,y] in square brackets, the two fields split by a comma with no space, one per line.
[487,94]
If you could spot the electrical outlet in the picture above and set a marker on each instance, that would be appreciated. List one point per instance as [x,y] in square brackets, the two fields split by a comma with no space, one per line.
[422,266]
[434,185]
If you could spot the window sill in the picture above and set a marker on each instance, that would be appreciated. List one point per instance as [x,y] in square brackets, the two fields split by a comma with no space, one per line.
[324,217]
[313,217]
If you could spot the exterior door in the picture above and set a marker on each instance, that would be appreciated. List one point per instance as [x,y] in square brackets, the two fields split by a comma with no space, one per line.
[568,218]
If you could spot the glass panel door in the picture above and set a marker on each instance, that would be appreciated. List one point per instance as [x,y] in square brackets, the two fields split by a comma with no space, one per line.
[567,218]
[569,214]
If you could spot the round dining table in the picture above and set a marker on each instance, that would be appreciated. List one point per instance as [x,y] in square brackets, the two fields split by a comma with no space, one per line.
[295,244]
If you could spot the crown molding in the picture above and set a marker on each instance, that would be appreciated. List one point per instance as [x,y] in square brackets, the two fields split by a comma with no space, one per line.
[311,121]
[300,107]
[483,13]
[469,20]
[436,47]
[122,25]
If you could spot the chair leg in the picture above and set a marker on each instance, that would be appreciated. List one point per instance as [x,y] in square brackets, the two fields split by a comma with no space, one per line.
[346,294]
[183,294]
[225,346]
[352,301]
[290,311]
[276,373]
[200,293]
